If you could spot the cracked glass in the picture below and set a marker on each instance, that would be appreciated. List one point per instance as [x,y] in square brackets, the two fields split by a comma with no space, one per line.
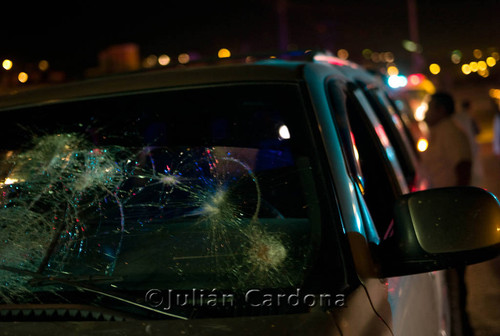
[207,187]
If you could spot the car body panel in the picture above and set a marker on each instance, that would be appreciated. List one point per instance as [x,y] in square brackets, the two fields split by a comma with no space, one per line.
[402,311]
[303,324]
[339,321]
[407,294]
[409,305]
[351,212]
[161,80]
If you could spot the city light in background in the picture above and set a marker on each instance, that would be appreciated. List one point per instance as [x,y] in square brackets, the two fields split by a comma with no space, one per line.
[397,81]
[481,64]
[164,60]
[7,64]
[434,68]
[343,54]
[43,65]
[422,145]
[224,53]
[392,70]
[494,93]
[22,77]
[388,46]
[184,58]
[386,57]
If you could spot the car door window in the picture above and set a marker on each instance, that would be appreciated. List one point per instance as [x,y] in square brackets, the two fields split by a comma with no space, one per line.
[395,131]
[381,175]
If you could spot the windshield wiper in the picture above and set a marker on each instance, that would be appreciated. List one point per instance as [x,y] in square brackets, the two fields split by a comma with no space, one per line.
[83,283]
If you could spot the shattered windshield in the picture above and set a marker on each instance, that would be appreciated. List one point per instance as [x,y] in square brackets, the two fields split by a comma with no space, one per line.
[180,189]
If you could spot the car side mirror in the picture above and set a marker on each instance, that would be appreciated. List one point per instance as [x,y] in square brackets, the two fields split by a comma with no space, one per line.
[441,228]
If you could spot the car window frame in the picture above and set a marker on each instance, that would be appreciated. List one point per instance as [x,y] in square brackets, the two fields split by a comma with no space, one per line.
[395,130]
[349,90]
[333,207]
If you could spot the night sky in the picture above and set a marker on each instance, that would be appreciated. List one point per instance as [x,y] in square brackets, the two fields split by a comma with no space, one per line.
[70,37]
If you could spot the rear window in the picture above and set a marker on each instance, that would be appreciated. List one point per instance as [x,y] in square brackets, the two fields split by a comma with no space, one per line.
[194,188]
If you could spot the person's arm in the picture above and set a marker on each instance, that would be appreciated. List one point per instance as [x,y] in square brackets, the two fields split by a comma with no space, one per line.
[463,173]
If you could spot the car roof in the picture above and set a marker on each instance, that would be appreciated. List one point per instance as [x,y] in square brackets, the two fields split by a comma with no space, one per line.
[269,71]
[151,80]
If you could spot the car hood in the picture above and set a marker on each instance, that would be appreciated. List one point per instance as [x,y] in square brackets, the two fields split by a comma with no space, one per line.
[313,323]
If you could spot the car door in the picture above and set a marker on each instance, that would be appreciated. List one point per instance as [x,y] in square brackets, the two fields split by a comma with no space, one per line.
[407,156]
[416,307]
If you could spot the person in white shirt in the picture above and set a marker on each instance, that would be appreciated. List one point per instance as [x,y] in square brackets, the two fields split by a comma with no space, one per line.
[496,129]
[465,121]
[448,159]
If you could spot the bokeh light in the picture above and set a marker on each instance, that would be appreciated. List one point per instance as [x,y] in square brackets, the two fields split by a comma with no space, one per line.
[367,54]
[422,145]
[183,58]
[375,57]
[481,66]
[415,79]
[7,64]
[22,77]
[491,61]
[495,93]
[483,73]
[43,65]
[477,53]
[456,56]
[411,46]
[434,68]
[388,57]
[420,111]
[150,61]
[250,59]
[392,70]
[284,133]
[343,54]
[224,53]
[466,69]
[164,60]
[397,81]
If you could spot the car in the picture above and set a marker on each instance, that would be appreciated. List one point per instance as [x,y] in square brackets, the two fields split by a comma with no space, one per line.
[279,197]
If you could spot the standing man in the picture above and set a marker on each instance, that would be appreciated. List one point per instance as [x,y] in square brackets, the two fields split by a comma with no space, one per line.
[496,128]
[463,118]
[448,158]
[448,161]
